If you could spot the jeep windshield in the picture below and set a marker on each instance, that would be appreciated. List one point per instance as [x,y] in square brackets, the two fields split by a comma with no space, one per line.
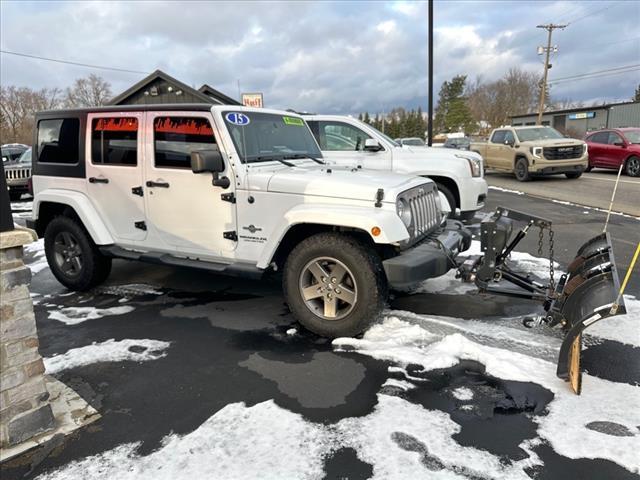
[261,137]
[540,133]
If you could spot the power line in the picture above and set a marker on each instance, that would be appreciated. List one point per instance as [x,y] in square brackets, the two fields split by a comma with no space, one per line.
[596,72]
[68,62]
[594,12]
[595,76]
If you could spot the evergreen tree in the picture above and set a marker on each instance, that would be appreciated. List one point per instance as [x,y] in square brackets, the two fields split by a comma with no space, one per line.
[452,112]
[360,116]
[366,118]
[636,95]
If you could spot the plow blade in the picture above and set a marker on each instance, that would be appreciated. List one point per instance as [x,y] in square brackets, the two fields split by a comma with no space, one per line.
[586,294]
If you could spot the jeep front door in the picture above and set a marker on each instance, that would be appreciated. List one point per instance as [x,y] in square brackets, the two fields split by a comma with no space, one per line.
[114,173]
[185,212]
[344,143]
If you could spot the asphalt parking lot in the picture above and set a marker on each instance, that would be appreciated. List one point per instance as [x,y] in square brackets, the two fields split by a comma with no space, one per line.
[202,376]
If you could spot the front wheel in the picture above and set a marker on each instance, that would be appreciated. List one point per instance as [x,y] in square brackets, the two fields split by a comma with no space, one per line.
[334,285]
[72,256]
[573,174]
[632,167]
[521,170]
[450,199]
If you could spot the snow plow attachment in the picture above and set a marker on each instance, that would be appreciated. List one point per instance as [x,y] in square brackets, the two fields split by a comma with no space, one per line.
[586,294]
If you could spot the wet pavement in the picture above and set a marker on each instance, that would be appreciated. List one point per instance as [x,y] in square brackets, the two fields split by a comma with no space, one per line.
[223,341]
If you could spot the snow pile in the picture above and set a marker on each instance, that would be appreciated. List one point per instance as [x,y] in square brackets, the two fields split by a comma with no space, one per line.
[141,350]
[621,328]
[38,260]
[238,442]
[463,393]
[568,414]
[75,315]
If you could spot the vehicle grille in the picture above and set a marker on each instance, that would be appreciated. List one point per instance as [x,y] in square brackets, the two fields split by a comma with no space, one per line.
[563,153]
[17,173]
[424,209]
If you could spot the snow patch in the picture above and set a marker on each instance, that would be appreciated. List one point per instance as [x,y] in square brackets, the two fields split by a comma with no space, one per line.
[621,328]
[564,426]
[595,209]
[38,260]
[238,442]
[500,189]
[107,351]
[75,315]
[292,331]
[463,393]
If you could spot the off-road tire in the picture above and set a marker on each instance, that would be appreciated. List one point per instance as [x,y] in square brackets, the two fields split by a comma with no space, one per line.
[95,266]
[368,275]
[450,198]
[632,166]
[15,196]
[573,175]
[521,169]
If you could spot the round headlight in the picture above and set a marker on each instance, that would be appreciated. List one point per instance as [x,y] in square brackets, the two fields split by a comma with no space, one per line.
[404,211]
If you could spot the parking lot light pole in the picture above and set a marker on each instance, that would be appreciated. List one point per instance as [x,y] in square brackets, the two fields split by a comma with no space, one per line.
[430,111]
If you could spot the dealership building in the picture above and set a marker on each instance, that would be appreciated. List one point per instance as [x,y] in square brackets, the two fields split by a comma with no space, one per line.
[576,122]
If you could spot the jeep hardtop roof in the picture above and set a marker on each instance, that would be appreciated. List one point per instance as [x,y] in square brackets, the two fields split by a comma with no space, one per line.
[201,107]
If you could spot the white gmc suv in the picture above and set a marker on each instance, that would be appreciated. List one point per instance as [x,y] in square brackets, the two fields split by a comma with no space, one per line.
[233,190]
[458,175]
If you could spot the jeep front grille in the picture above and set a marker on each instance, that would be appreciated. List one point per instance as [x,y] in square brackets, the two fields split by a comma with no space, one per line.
[423,202]
[17,173]
[563,153]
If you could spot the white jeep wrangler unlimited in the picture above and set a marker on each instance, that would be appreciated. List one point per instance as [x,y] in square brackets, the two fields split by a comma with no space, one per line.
[238,191]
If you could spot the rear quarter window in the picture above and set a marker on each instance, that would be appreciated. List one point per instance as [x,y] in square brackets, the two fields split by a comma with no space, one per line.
[59,141]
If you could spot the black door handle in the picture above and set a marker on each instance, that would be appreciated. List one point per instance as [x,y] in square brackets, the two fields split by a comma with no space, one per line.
[157,184]
[98,180]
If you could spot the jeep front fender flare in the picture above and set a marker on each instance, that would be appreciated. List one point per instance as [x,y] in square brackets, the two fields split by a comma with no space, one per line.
[359,218]
[83,208]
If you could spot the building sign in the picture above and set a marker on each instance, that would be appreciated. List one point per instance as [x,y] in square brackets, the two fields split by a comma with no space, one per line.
[252,100]
[581,115]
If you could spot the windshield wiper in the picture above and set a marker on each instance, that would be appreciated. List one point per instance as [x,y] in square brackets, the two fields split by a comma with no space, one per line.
[268,158]
[304,155]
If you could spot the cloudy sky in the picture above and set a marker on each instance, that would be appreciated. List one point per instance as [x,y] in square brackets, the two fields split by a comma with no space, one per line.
[342,57]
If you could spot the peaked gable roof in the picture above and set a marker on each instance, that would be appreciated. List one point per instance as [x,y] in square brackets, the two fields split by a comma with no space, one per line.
[215,97]
[212,92]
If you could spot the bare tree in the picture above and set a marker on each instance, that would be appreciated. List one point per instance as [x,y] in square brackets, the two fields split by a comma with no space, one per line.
[91,91]
[494,103]
[18,106]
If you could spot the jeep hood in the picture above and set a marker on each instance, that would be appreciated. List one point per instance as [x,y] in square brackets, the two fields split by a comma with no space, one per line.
[337,182]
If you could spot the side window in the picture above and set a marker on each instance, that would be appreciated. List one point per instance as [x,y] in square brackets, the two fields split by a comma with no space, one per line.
[614,138]
[176,137]
[338,136]
[600,137]
[58,140]
[114,141]
[498,136]
[509,137]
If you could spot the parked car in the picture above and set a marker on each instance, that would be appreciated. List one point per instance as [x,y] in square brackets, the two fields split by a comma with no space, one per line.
[234,190]
[531,151]
[615,147]
[18,175]
[411,142]
[350,142]
[12,151]
[459,143]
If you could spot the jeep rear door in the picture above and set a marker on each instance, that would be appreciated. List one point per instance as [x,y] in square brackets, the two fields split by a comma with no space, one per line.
[114,169]
[185,212]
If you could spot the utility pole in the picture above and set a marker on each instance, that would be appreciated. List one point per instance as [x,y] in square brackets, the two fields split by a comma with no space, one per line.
[543,88]
[430,114]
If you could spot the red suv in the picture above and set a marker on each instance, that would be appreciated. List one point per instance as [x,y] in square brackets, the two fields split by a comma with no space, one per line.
[614,147]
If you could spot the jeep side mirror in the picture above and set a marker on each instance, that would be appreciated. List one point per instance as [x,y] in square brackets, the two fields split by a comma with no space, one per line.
[210,161]
[207,161]
[372,145]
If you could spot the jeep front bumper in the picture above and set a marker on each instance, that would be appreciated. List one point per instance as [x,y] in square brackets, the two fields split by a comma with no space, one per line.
[431,258]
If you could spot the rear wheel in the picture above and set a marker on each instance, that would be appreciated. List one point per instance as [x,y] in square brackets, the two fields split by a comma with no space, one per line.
[521,170]
[72,256]
[632,167]
[573,174]
[334,285]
